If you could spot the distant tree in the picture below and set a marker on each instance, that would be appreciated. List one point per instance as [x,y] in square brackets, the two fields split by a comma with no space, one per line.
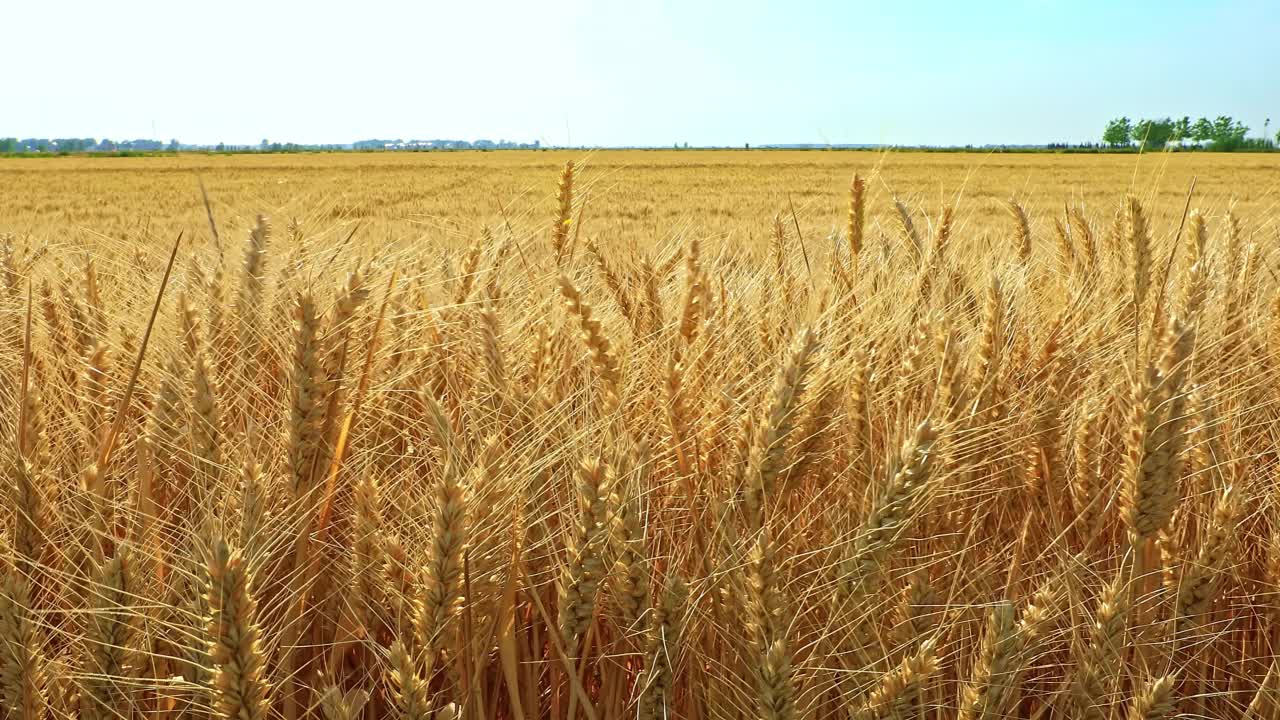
[8,145]
[1118,132]
[1153,133]
[1238,132]
[69,145]
[1222,127]
[1202,130]
[1228,133]
[1278,136]
[1141,129]
[1182,129]
[1162,132]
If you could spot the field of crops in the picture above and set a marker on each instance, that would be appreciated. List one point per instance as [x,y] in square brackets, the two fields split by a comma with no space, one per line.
[639,197]
[640,435]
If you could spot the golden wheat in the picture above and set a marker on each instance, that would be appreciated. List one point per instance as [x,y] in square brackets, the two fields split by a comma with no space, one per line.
[941,465]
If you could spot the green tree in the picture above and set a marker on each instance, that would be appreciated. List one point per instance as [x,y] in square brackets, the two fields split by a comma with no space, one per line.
[1141,131]
[1222,127]
[1118,132]
[1153,133]
[1182,129]
[8,145]
[1228,133]
[1238,132]
[1202,130]
[71,144]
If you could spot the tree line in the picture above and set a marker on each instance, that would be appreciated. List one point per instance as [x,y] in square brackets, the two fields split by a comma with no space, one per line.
[1222,133]
[79,145]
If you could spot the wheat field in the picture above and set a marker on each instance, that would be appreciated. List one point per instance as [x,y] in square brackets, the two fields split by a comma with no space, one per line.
[632,197]
[640,435]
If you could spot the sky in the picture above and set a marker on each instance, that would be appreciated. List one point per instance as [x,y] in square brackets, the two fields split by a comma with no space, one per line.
[615,72]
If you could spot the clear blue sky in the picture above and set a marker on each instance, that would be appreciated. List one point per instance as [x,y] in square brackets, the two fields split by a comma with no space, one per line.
[616,72]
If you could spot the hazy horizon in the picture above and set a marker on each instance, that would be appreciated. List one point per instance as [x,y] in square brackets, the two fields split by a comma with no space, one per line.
[578,73]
